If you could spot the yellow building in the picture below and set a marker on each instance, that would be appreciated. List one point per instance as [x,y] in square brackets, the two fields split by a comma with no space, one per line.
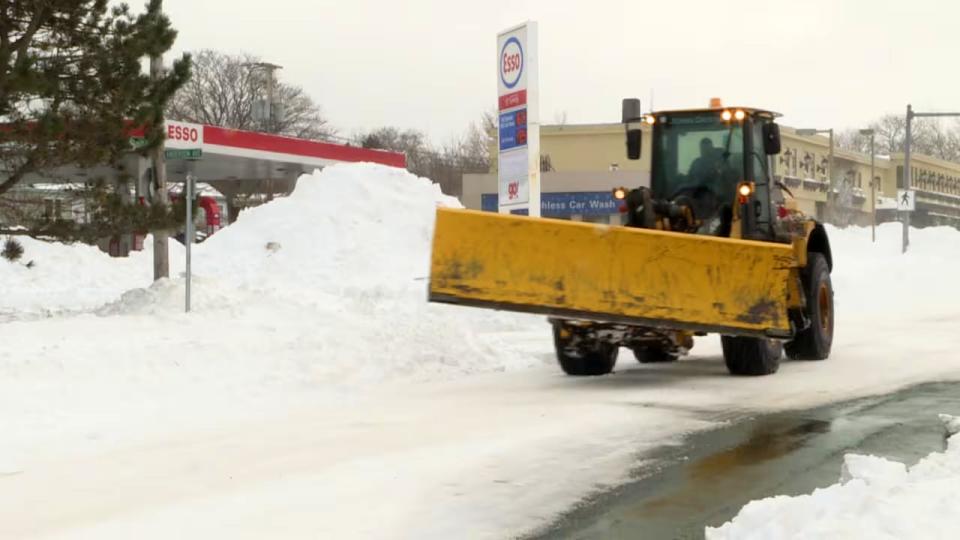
[582,163]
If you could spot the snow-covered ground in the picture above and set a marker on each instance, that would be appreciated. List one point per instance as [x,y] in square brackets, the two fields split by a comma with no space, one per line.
[314,393]
[876,498]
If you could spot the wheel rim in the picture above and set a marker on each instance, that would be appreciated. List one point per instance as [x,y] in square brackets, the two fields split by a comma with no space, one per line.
[823,299]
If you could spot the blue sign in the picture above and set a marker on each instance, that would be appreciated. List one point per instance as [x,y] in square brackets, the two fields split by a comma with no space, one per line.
[584,203]
[513,129]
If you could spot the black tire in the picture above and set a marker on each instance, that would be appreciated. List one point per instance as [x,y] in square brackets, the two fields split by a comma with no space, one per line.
[653,355]
[597,358]
[751,356]
[815,342]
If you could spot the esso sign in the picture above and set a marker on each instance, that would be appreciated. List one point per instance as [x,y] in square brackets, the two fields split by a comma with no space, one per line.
[511,62]
[183,133]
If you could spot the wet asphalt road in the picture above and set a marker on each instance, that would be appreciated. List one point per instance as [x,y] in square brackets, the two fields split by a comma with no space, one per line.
[706,480]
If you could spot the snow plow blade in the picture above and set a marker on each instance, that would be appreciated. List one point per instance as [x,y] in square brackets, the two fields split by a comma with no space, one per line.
[614,274]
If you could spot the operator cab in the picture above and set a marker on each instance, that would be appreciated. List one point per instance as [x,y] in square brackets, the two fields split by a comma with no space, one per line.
[709,169]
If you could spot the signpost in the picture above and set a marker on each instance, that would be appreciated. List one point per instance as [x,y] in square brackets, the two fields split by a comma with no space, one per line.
[188,189]
[519,121]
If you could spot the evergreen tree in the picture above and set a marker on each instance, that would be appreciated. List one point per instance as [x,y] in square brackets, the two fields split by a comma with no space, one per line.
[72,83]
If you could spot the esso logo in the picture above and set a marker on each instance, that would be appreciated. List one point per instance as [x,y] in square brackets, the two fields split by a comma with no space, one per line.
[182,133]
[511,62]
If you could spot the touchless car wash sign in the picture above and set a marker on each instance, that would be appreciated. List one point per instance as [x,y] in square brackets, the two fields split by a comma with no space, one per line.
[519,127]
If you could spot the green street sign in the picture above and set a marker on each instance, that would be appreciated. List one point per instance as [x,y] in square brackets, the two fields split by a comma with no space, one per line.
[138,142]
[187,153]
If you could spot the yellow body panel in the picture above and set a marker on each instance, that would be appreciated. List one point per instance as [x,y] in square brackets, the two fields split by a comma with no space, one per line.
[610,273]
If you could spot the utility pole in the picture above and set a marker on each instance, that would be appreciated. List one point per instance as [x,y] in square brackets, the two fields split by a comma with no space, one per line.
[161,253]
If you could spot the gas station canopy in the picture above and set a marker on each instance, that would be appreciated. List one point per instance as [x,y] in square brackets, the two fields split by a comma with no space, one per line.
[230,154]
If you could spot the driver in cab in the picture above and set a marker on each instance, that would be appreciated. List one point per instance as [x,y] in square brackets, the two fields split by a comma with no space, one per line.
[705,170]
[706,182]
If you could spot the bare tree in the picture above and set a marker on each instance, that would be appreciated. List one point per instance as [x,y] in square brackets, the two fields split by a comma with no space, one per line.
[224,91]
[445,165]
[929,137]
[410,142]
[853,141]
[940,142]
[471,150]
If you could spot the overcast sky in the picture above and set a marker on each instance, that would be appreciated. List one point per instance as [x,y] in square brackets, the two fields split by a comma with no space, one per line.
[431,64]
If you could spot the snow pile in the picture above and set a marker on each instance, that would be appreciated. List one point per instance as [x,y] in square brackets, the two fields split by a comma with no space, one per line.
[358,226]
[167,296]
[870,279]
[349,251]
[876,498]
[68,277]
[952,423]
[334,278]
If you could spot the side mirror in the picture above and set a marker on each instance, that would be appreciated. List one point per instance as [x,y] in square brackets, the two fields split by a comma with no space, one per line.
[631,110]
[771,138]
[634,140]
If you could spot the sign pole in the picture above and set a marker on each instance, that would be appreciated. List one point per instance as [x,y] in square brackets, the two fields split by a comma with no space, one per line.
[188,234]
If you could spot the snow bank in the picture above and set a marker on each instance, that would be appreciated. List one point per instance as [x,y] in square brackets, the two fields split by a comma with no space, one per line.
[69,277]
[349,227]
[334,276]
[876,280]
[350,250]
[875,498]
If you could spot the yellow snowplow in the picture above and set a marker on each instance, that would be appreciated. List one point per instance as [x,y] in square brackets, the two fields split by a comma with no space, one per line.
[711,246]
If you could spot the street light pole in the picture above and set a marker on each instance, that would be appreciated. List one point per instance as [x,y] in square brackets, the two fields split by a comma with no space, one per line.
[906,177]
[873,185]
[873,188]
[830,165]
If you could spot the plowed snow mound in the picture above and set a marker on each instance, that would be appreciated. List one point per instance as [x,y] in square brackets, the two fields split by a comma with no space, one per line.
[71,276]
[330,282]
[877,280]
[357,226]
